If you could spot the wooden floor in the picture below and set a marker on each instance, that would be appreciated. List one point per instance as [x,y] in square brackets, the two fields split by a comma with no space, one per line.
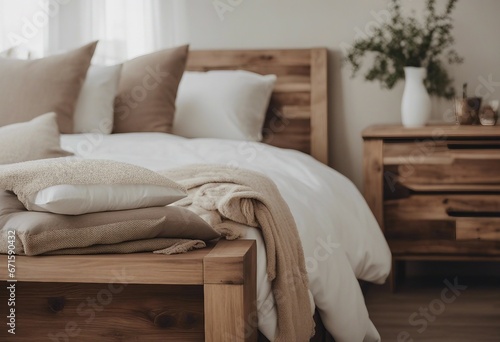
[418,312]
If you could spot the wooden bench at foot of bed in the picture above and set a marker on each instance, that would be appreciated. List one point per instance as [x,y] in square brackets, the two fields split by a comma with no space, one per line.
[207,294]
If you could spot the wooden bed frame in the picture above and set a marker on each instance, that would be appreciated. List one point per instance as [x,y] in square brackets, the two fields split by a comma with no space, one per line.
[208,294]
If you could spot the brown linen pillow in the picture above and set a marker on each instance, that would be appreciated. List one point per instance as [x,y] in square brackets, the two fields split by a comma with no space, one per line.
[147,91]
[39,233]
[29,88]
[35,139]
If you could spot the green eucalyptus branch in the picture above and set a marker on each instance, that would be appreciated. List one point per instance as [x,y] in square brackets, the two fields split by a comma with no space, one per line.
[403,41]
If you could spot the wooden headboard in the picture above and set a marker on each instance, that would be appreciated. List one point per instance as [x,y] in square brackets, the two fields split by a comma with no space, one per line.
[297,117]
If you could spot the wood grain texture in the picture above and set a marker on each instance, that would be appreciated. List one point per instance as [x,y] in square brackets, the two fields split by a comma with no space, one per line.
[418,229]
[444,257]
[445,162]
[229,262]
[424,207]
[106,312]
[478,229]
[373,177]
[444,223]
[445,151]
[145,268]
[216,59]
[452,188]
[432,131]
[466,173]
[231,292]
[319,105]
[297,117]
[225,314]
[445,247]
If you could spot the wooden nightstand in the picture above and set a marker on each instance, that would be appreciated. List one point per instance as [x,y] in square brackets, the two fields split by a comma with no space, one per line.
[435,191]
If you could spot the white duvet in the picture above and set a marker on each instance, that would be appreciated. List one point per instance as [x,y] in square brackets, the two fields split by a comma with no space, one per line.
[341,239]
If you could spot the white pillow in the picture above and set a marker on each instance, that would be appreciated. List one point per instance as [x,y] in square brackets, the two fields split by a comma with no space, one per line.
[82,199]
[222,104]
[74,186]
[95,106]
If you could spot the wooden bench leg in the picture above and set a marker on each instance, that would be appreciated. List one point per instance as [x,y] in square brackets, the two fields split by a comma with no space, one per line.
[230,292]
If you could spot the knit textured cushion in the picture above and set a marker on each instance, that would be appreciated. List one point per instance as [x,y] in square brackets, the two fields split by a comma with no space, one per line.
[73,186]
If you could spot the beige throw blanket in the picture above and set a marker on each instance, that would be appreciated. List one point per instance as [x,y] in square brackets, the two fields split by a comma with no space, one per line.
[228,198]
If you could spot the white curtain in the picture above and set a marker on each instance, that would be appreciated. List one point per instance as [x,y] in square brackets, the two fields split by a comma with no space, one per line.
[124,28]
[23,28]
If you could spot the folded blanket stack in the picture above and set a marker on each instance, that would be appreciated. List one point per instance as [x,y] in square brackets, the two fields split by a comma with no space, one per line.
[118,219]
[126,231]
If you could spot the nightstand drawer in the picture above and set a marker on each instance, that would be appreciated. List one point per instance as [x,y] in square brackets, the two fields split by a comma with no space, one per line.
[460,229]
[455,162]
[454,217]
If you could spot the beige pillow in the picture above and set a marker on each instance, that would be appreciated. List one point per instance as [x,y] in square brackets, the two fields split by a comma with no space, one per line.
[125,231]
[29,88]
[147,91]
[78,186]
[36,139]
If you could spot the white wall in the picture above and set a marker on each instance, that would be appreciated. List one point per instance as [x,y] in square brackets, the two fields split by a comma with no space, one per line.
[354,103]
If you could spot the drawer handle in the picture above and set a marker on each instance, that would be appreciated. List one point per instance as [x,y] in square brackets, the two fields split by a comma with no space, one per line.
[461,146]
[463,213]
[56,304]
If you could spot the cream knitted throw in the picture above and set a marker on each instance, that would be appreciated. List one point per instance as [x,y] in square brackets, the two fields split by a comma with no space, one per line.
[228,198]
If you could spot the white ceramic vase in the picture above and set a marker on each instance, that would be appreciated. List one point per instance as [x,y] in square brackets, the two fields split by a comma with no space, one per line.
[416,103]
